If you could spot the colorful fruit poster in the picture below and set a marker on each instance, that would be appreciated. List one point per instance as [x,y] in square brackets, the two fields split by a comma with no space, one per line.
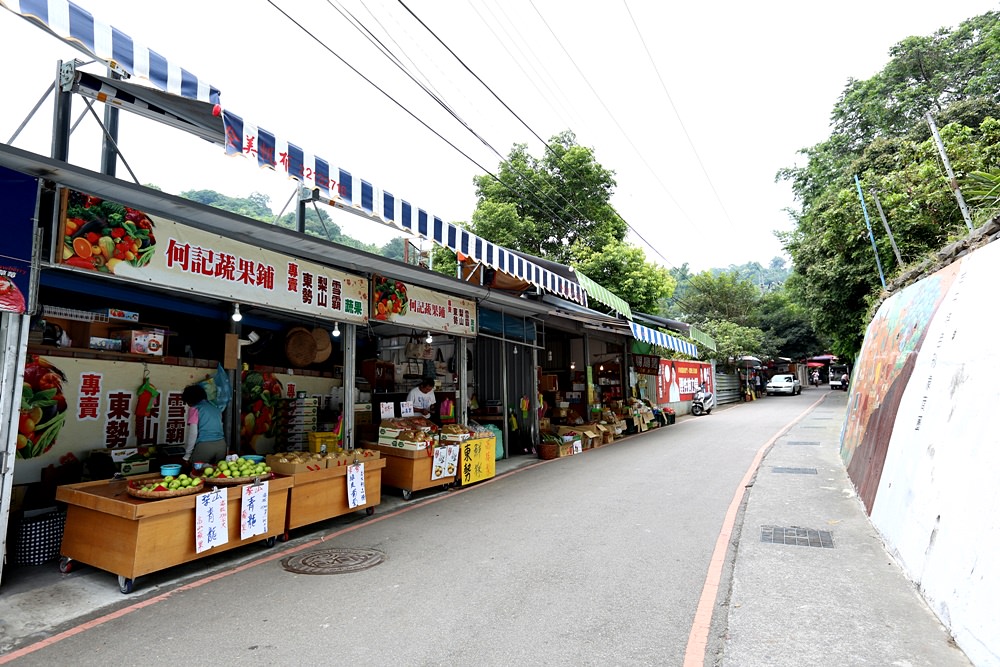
[19,195]
[423,309]
[116,240]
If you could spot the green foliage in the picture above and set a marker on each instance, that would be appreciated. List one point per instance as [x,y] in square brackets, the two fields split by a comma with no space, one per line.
[623,269]
[722,297]
[732,341]
[880,134]
[553,203]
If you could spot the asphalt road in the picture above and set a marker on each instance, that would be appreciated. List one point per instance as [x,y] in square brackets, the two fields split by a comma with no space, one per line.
[598,559]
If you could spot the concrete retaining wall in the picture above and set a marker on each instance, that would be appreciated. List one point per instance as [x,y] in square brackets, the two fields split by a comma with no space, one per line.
[922,445]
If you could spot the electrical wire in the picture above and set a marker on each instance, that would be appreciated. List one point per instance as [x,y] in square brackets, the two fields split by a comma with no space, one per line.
[448,108]
[537,136]
[678,114]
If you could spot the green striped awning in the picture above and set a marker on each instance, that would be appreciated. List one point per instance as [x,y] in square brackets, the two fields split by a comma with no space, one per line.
[599,293]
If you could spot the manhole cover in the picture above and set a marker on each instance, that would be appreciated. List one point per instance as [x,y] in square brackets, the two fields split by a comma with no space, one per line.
[794,471]
[333,561]
[803,537]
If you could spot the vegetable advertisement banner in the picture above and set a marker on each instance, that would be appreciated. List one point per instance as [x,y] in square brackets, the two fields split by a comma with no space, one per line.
[113,239]
[412,306]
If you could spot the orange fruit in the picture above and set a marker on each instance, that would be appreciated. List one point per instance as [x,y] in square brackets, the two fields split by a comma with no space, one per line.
[82,247]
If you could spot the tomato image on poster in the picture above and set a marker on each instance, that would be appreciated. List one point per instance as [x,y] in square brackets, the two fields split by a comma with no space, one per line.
[43,408]
[261,394]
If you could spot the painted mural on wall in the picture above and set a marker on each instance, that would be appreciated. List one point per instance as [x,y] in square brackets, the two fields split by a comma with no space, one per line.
[892,343]
[924,392]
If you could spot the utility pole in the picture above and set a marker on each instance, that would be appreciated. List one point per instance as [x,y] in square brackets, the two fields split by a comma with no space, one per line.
[871,234]
[952,181]
[885,223]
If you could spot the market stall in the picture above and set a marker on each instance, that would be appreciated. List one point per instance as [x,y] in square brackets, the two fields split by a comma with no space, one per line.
[321,493]
[110,529]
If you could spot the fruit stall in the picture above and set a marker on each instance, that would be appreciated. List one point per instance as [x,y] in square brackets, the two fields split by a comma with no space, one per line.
[320,488]
[110,527]
[418,457]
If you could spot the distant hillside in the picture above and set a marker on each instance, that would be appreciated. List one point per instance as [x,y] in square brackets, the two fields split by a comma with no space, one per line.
[258,207]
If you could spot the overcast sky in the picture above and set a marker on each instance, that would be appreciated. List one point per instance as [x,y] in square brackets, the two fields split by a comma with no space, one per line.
[694,106]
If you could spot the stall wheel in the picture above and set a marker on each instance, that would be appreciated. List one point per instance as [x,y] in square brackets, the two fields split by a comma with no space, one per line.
[125,585]
[271,541]
[284,537]
[407,494]
[66,565]
[369,511]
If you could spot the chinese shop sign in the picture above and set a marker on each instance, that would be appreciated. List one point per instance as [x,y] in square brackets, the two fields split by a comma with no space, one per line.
[412,306]
[115,240]
[646,364]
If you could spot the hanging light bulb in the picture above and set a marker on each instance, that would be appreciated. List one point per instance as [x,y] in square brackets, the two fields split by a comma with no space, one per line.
[572,365]
[336,330]
[237,315]
[550,355]
[601,368]
[429,339]
[515,349]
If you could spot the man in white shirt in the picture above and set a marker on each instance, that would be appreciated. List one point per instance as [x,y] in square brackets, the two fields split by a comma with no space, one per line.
[422,397]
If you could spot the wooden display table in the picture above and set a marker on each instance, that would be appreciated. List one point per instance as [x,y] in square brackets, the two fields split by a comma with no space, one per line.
[408,470]
[322,494]
[130,537]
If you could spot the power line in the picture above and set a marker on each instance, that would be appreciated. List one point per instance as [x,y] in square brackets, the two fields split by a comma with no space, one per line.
[611,115]
[530,129]
[678,114]
[385,51]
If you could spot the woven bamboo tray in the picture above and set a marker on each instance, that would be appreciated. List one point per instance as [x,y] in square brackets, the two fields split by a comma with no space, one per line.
[135,489]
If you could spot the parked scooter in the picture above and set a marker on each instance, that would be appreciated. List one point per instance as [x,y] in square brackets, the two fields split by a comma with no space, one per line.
[702,402]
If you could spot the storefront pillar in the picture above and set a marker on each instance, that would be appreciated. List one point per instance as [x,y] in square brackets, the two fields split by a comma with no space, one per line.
[462,382]
[13,353]
[350,371]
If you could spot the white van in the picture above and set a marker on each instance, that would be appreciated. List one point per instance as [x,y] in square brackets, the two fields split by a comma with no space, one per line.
[836,371]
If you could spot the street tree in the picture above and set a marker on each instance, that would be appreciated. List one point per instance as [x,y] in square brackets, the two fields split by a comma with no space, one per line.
[623,269]
[560,201]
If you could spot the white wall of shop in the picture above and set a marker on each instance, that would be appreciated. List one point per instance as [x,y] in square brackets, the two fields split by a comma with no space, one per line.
[936,499]
[80,436]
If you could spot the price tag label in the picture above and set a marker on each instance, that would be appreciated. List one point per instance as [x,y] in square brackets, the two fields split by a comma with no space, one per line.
[388,410]
[405,409]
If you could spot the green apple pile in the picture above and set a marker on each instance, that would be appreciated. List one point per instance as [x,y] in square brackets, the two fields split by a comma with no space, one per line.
[171,483]
[239,468]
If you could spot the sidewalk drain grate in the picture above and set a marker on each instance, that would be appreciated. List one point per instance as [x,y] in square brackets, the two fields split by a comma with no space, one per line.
[803,537]
[803,442]
[333,561]
[794,471]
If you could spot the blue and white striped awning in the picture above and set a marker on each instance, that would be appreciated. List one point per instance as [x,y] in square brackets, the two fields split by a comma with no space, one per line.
[77,27]
[340,188]
[664,340]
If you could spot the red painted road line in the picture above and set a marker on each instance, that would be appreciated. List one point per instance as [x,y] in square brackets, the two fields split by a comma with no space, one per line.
[101,620]
[697,645]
